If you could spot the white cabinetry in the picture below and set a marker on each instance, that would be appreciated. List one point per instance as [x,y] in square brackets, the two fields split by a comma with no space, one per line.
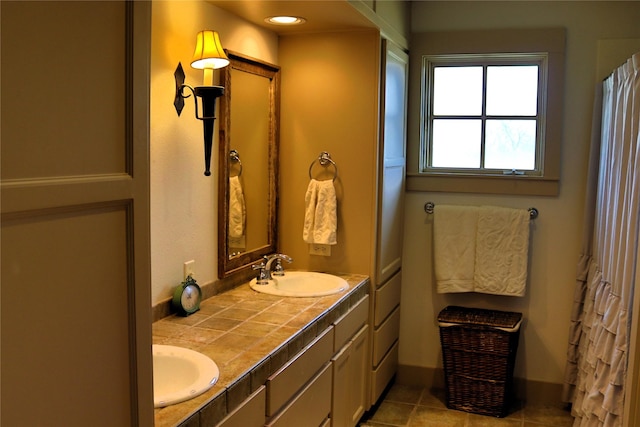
[326,383]
[311,406]
[391,183]
[293,376]
[350,366]
[350,381]
[250,413]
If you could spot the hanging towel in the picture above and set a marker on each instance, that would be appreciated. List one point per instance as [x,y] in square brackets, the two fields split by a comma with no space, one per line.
[454,239]
[320,218]
[237,209]
[502,251]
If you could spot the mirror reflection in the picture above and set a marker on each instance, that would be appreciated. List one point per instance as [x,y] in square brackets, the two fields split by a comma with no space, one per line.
[248,147]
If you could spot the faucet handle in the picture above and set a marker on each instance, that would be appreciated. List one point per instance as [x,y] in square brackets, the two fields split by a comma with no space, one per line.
[262,277]
[278,270]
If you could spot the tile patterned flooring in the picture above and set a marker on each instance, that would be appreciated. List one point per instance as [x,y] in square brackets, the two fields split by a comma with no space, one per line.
[412,406]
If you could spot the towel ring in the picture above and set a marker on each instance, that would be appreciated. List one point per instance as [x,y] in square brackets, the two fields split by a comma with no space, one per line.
[234,156]
[324,159]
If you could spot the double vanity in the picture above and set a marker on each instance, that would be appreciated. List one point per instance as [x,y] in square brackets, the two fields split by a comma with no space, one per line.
[283,360]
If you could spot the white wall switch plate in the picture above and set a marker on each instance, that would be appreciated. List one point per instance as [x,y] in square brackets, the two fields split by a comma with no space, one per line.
[317,249]
[189,269]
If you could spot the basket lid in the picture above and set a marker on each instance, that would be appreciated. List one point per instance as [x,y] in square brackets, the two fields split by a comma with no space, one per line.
[479,316]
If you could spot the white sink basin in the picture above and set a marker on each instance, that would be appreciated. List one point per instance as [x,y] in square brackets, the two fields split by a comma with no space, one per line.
[180,374]
[302,284]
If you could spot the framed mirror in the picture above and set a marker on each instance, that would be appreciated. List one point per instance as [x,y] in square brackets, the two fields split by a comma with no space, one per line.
[248,163]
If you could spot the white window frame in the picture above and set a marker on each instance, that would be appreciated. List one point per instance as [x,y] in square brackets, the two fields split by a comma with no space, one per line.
[550,41]
[429,62]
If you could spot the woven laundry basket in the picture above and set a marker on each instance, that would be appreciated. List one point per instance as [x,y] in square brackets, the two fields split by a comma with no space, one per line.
[478,352]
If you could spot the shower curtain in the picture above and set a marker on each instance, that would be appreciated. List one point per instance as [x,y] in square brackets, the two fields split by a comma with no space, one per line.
[601,317]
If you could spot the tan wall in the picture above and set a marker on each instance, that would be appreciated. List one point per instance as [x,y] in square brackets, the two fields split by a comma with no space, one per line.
[183,201]
[329,103]
[556,233]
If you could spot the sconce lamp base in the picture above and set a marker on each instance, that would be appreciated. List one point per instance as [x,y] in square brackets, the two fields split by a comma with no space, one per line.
[207,96]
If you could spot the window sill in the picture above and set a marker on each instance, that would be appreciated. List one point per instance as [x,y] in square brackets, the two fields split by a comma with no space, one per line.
[516,185]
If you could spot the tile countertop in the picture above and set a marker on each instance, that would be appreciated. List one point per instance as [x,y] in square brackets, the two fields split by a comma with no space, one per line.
[249,335]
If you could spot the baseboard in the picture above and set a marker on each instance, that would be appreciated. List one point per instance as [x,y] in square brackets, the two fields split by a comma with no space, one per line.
[526,390]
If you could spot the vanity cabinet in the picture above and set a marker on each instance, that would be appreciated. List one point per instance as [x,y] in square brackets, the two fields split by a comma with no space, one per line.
[350,369]
[284,384]
[328,377]
[311,406]
[350,366]
[250,413]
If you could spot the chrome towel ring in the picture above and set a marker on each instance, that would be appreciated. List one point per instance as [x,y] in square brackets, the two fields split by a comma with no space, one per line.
[324,159]
[234,156]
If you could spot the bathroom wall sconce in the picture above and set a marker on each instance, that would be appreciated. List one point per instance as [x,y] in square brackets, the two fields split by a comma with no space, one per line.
[208,55]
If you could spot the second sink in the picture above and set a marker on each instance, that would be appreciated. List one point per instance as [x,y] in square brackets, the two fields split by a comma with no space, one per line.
[180,374]
[302,284]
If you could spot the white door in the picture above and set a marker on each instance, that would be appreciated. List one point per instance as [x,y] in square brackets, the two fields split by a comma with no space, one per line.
[75,306]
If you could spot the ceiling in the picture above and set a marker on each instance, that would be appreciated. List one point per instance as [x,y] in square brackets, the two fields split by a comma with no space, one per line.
[321,15]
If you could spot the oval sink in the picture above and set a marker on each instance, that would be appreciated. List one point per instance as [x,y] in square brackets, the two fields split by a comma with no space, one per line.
[180,374]
[302,284]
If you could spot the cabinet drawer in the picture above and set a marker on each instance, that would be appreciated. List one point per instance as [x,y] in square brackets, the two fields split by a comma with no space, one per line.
[347,326]
[250,413]
[311,407]
[385,336]
[387,298]
[286,382]
[381,376]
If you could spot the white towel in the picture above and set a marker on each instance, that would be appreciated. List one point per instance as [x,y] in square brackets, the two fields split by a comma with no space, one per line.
[481,249]
[502,250]
[454,239]
[237,208]
[320,218]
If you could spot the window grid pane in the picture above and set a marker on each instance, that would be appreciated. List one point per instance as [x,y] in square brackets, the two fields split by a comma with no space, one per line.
[503,137]
[456,143]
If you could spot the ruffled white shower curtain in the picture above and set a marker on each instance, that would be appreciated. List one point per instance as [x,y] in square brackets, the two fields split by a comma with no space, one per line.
[600,322]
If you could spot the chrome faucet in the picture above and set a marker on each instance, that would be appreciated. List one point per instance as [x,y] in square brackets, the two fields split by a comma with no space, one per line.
[272,265]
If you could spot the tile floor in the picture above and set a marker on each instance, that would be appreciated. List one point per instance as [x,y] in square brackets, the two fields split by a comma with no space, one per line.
[411,406]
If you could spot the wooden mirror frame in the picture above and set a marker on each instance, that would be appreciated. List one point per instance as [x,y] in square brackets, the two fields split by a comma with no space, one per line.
[242,263]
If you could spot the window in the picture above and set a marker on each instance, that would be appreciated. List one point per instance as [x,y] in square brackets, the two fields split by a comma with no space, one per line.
[490,112]
[483,113]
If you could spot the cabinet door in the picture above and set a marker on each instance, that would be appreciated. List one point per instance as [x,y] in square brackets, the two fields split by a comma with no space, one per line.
[392,163]
[339,402]
[350,367]
[359,374]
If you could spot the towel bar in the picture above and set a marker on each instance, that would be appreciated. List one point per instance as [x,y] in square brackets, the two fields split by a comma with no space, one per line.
[430,206]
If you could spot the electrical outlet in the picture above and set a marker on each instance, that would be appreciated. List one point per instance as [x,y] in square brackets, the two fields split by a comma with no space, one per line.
[317,249]
[189,269]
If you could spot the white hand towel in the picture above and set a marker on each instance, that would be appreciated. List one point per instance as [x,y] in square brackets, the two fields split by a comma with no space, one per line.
[502,251]
[237,208]
[320,215]
[454,239]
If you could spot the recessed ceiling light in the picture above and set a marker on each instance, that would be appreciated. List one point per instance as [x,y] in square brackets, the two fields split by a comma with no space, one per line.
[285,20]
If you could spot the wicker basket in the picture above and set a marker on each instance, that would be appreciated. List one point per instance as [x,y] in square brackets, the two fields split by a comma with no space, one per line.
[479,351]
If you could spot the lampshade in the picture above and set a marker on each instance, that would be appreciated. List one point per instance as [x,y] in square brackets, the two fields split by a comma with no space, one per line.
[209,53]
